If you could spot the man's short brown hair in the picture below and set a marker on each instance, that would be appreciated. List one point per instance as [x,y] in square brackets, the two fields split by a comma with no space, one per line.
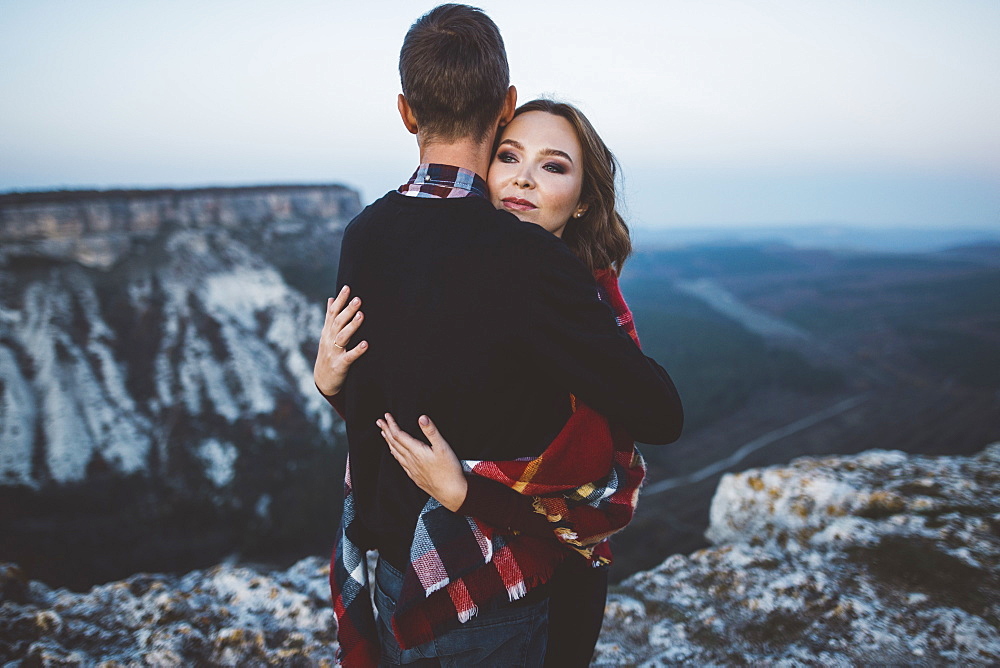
[453,69]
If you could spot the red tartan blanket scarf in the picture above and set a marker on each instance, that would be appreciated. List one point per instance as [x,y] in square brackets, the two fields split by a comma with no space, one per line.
[586,483]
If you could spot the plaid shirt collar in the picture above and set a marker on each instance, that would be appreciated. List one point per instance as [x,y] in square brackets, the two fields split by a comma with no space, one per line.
[444,181]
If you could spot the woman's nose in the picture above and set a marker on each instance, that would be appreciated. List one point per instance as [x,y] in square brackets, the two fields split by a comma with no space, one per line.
[523,179]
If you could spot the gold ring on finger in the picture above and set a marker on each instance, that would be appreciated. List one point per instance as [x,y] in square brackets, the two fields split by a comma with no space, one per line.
[339,346]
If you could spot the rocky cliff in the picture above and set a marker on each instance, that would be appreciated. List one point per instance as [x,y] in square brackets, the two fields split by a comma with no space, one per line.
[876,559]
[156,401]
[99,227]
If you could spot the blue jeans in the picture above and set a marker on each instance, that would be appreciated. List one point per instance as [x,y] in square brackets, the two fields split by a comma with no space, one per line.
[512,635]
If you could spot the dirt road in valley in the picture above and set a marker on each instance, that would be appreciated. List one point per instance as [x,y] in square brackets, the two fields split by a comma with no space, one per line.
[746,449]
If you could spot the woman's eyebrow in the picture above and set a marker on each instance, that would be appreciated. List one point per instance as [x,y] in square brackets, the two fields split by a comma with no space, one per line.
[556,152]
[546,151]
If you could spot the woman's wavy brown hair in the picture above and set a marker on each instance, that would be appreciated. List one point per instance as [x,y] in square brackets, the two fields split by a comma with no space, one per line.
[600,236]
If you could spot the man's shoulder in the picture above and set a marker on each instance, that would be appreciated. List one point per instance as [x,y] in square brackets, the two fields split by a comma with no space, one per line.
[373,210]
[472,217]
[368,220]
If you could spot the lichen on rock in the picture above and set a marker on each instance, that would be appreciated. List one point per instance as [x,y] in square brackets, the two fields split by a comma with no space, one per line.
[223,616]
[880,558]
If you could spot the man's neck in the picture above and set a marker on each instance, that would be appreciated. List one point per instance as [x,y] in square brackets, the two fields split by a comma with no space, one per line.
[472,155]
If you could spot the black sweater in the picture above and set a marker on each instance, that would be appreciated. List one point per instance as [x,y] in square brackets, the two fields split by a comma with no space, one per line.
[486,324]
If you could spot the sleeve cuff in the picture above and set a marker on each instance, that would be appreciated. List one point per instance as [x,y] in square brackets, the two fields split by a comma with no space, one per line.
[336,400]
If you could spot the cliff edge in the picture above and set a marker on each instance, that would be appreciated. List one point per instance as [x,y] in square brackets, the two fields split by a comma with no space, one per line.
[879,558]
[157,408]
[97,228]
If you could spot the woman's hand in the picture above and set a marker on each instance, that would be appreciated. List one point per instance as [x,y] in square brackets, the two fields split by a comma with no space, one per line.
[333,359]
[435,468]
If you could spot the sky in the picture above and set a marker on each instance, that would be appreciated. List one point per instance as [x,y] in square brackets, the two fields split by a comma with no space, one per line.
[722,112]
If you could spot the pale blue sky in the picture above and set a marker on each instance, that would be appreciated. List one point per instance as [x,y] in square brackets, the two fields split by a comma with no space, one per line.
[722,112]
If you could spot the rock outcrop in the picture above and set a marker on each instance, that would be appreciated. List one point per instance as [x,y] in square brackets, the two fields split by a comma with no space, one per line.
[880,558]
[877,559]
[98,228]
[224,616]
[156,395]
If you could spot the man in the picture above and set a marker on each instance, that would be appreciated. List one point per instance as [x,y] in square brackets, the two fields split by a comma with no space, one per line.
[471,316]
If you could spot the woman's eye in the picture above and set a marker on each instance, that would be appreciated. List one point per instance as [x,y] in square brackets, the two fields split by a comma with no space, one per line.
[506,156]
[554,168]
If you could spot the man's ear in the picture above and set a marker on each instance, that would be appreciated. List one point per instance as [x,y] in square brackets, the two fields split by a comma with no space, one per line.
[509,105]
[409,120]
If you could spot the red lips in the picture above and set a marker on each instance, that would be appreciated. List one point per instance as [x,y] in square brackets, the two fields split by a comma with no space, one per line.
[518,204]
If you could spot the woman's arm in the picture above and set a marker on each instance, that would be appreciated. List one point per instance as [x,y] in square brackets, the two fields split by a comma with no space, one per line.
[333,359]
[572,337]
[436,469]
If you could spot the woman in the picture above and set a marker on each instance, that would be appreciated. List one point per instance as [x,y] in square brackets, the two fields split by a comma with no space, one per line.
[552,169]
